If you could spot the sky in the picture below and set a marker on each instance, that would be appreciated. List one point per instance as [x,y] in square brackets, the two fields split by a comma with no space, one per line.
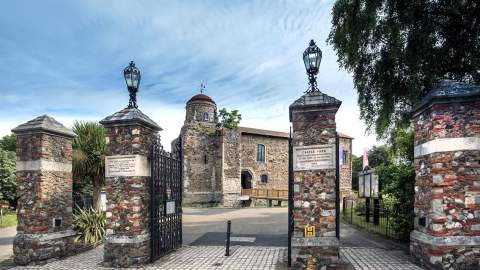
[66,59]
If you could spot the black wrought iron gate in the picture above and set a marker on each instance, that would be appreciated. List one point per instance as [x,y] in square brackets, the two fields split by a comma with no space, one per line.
[290,198]
[165,201]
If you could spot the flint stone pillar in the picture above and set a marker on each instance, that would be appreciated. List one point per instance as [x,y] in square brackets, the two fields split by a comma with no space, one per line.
[314,129]
[44,178]
[130,135]
[447,183]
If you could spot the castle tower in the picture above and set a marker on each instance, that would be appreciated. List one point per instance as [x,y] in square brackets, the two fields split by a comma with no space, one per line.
[200,144]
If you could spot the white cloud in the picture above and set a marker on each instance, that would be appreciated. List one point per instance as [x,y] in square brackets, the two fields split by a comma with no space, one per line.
[66,59]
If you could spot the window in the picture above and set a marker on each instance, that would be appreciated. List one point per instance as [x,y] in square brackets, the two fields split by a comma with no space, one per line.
[264,178]
[345,158]
[205,116]
[205,160]
[261,152]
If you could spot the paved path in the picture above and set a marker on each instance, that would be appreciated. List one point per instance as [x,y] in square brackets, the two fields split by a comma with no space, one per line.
[260,243]
[6,241]
[367,251]
[186,258]
[207,226]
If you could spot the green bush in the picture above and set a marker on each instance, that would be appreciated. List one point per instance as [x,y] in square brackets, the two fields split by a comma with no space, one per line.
[360,207]
[8,181]
[89,224]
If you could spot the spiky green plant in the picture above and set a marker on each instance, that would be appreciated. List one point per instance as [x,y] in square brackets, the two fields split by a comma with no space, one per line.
[89,148]
[89,225]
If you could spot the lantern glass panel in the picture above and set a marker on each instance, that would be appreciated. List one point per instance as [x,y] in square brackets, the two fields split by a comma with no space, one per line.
[367,186]
[374,186]
[361,186]
[135,79]
[128,79]
[306,61]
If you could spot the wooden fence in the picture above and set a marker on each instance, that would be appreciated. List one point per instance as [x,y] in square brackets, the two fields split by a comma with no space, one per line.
[271,194]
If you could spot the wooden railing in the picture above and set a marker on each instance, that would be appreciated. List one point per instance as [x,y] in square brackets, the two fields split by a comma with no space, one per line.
[260,193]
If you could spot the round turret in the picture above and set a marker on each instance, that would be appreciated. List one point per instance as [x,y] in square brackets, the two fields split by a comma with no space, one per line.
[201,108]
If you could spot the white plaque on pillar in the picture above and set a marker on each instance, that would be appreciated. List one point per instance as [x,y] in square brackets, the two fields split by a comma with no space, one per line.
[126,165]
[314,157]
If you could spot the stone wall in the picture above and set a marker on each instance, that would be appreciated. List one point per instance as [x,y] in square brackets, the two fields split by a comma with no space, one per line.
[230,166]
[202,176]
[129,135]
[44,178]
[276,160]
[313,123]
[447,187]
[346,170]
[195,112]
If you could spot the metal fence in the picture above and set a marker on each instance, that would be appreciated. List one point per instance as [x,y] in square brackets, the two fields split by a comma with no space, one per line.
[373,217]
[82,201]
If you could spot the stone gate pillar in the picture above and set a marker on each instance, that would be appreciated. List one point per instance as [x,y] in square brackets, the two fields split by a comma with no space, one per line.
[447,184]
[44,178]
[314,166]
[130,135]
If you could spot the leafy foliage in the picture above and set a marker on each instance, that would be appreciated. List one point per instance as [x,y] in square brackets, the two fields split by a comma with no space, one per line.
[378,155]
[399,194]
[89,148]
[231,119]
[8,142]
[8,181]
[398,181]
[397,50]
[356,168]
[89,225]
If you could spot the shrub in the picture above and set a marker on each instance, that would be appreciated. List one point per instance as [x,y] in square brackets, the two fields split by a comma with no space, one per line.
[89,225]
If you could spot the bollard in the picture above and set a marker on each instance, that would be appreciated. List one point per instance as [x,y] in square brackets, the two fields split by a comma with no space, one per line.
[227,248]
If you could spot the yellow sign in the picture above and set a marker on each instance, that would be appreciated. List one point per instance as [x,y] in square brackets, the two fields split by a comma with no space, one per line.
[309,231]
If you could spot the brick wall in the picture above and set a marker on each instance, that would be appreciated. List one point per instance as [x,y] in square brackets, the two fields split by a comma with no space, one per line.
[447,187]
[276,160]
[44,179]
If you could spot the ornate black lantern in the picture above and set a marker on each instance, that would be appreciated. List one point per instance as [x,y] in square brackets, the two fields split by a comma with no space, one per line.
[132,78]
[312,57]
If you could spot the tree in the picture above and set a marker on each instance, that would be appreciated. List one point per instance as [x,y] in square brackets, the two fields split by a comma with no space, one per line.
[89,148]
[228,119]
[378,155]
[8,181]
[8,142]
[357,163]
[397,50]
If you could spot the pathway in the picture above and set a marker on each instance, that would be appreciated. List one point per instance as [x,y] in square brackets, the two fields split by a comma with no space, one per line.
[6,241]
[259,243]
[367,251]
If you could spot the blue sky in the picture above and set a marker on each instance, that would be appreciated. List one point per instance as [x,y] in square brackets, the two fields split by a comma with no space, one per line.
[65,59]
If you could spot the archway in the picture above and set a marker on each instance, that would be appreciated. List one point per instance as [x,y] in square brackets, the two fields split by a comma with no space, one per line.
[246,179]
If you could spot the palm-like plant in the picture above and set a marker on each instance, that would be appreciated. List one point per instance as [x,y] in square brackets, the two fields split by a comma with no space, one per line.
[89,148]
[89,225]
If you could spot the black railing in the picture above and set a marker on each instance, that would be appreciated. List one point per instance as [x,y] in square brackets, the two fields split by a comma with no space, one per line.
[373,217]
[82,201]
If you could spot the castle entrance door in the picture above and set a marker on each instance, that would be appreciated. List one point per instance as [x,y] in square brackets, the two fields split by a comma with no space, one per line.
[246,179]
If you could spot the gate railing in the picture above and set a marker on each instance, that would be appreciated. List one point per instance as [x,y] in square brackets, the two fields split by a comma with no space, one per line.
[165,201]
[356,213]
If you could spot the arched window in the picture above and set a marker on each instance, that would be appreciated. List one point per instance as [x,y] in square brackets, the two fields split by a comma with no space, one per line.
[261,152]
[205,116]
[264,178]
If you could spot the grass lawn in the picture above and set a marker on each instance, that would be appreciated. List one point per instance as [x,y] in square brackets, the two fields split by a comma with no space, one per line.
[9,219]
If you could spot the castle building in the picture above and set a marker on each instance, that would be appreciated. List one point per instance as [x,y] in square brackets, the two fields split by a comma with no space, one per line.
[220,164]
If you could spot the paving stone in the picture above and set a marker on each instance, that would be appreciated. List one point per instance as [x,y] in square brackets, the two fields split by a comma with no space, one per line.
[242,257]
[187,257]
[377,258]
